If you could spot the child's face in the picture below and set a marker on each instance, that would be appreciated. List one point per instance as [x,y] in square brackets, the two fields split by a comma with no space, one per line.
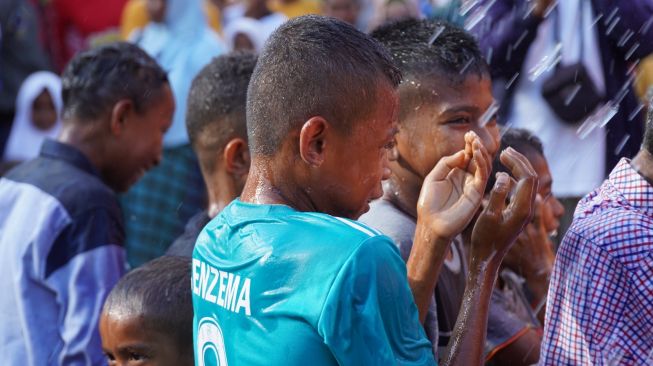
[127,341]
[436,126]
[139,146]
[44,113]
[157,10]
[345,10]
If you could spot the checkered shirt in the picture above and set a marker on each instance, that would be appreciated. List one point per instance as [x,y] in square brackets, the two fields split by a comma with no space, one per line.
[600,303]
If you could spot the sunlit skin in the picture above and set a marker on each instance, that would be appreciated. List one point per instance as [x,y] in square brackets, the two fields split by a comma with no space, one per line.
[127,340]
[444,148]
[322,169]
[125,143]
[44,113]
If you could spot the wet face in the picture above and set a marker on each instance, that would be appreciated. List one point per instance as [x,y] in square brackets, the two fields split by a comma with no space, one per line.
[552,209]
[156,10]
[438,118]
[127,341]
[345,10]
[356,162]
[44,113]
[139,146]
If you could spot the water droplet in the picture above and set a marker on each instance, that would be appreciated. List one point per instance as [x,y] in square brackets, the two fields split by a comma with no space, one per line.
[547,63]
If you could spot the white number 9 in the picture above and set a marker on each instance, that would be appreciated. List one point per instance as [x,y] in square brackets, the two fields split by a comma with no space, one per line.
[210,339]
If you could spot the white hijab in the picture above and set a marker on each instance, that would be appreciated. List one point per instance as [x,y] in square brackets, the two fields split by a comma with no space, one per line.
[25,139]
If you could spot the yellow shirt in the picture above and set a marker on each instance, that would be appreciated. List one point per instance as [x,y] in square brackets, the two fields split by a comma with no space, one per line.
[644,79]
[296,8]
[134,16]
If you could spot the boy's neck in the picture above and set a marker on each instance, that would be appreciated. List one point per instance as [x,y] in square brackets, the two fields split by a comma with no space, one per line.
[222,190]
[271,184]
[402,189]
[85,140]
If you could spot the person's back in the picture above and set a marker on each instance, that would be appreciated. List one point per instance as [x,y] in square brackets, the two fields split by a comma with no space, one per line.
[61,231]
[267,301]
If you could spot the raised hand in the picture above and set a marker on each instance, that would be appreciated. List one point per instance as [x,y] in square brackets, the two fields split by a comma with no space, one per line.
[499,224]
[453,191]
[532,254]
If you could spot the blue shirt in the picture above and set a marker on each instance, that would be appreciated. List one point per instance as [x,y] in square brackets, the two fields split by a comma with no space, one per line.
[274,286]
[61,252]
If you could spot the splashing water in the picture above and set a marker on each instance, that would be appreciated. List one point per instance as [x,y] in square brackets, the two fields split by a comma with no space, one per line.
[621,145]
[436,34]
[547,63]
[489,114]
[598,119]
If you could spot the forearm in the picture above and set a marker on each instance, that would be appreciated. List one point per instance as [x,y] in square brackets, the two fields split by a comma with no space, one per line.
[424,265]
[466,346]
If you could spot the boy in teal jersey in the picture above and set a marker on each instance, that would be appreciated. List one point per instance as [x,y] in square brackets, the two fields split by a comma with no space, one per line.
[283,275]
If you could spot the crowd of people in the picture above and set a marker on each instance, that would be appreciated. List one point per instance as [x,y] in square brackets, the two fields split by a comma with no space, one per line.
[353,182]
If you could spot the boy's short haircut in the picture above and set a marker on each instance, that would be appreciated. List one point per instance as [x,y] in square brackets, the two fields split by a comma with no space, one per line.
[95,80]
[314,66]
[522,140]
[422,48]
[159,293]
[426,50]
[216,104]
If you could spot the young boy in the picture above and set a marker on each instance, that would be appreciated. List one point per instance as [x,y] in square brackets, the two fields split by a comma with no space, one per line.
[283,274]
[148,316]
[218,133]
[445,95]
[61,248]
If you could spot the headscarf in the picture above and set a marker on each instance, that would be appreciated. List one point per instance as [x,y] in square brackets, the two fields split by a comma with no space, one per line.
[25,139]
[183,44]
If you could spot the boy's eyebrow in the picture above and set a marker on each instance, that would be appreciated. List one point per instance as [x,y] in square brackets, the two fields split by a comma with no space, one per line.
[462,108]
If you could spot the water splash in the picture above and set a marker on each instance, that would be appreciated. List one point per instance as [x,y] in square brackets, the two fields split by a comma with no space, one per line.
[547,63]
[490,114]
[438,31]
[622,144]
[598,119]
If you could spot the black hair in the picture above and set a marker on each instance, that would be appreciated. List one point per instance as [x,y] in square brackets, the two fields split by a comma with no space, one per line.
[216,105]
[522,140]
[314,66]
[422,48]
[97,79]
[159,293]
[648,133]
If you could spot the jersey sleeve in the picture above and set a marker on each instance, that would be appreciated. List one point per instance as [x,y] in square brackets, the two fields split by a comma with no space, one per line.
[369,316]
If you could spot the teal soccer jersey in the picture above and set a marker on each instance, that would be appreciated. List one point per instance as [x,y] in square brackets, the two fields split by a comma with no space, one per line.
[275,286]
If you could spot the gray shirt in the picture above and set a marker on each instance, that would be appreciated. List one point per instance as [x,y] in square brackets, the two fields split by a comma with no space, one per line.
[447,296]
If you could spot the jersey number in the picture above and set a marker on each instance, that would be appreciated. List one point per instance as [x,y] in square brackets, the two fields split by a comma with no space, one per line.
[210,339]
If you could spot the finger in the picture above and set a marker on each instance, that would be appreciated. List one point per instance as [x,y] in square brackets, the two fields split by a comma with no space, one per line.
[469,141]
[481,167]
[498,194]
[516,163]
[446,165]
[537,210]
[521,204]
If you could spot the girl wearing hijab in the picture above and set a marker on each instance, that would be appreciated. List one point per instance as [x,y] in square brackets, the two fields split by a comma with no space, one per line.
[158,206]
[38,109]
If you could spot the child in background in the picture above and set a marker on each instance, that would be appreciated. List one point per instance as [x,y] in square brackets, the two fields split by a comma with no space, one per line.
[148,316]
[38,111]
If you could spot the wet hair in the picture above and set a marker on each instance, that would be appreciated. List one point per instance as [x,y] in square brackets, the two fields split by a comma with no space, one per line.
[421,48]
[95,80]
[159,294]
[522,140]
[648,134]
[314,66]
[216,105]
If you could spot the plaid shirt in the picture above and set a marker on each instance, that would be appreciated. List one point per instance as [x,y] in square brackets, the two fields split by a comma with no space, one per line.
[600,303]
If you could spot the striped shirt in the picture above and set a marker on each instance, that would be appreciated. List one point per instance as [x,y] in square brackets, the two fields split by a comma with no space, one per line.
[61,237]
[600,303]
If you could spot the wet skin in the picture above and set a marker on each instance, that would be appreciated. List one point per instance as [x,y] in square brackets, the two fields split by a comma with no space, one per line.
[128,341]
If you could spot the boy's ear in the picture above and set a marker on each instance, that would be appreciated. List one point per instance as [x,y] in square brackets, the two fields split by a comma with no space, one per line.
[313,141]
[119,115]
[236,157]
